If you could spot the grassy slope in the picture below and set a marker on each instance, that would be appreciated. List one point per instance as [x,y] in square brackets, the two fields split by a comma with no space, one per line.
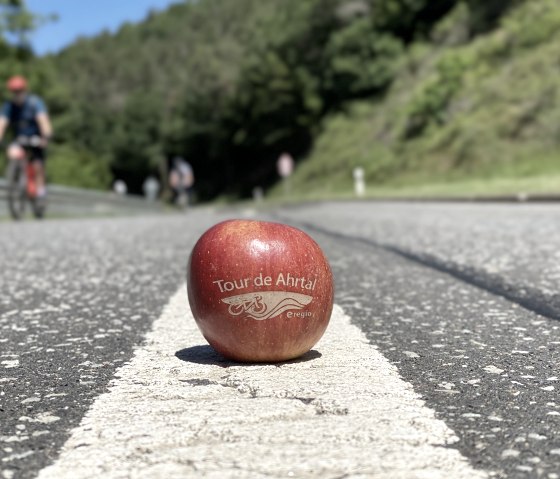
[480,117]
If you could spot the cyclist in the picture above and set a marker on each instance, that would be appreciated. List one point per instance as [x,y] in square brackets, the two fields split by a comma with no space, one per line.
[27,116]
[181,180]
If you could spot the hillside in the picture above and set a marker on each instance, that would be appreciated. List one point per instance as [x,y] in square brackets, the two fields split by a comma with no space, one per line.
[414,92]
[230,85]
[459,110]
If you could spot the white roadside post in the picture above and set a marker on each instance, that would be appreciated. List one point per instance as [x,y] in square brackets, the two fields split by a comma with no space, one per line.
[285,167]
[258,194]
[359,182]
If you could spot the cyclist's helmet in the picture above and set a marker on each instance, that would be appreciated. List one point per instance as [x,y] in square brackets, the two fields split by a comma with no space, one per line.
[17,83]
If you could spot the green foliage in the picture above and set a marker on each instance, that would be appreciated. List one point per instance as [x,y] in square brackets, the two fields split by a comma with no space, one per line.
[135,139]
[393,86]
[68,166]
[160,88]
[17,21]
[345,144]
[534,23]
[361,60]
[468,109]
[430,104]
[410,19]
[485,15]
[230,85]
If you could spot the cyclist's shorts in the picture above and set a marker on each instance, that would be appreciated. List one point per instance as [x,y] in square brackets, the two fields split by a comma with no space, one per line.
[38,154]
[35,153]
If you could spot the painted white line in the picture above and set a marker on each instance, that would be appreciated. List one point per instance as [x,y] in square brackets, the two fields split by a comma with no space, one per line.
[344,413]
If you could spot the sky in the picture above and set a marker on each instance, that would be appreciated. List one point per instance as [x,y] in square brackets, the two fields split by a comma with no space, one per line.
[86,18]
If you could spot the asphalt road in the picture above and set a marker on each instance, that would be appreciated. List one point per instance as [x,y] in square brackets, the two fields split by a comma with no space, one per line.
[460,299]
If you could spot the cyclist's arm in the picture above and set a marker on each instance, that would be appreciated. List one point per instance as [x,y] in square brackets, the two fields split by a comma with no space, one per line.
[45,125]
[42,118]
[4,119]
[3,125]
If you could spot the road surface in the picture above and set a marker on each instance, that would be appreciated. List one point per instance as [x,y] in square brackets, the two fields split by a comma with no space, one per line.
[441,359]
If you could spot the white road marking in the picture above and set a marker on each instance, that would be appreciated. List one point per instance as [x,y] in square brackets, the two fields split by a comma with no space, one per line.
[344,413]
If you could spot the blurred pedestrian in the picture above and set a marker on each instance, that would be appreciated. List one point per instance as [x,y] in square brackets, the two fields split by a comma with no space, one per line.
[151,188]
[285,167]
[120,188]
[181,181]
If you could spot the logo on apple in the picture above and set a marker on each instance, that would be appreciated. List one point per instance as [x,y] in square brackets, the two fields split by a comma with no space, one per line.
[266,305]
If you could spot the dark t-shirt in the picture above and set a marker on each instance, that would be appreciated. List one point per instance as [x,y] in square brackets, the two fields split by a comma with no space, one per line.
[23,118]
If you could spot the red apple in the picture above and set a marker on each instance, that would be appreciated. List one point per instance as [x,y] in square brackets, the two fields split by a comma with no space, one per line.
[259,291]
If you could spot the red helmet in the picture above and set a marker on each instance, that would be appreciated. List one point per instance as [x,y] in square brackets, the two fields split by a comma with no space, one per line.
[17,83]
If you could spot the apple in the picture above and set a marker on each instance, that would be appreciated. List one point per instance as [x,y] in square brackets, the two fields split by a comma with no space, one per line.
[259,291]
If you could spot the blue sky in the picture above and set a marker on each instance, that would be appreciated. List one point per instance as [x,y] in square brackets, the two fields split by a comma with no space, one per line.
[86,18]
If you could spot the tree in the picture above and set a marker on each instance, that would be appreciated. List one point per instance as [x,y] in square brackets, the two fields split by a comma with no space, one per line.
[17,22]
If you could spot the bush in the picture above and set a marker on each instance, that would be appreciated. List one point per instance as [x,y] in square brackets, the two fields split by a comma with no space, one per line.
[429,105]
[68,166]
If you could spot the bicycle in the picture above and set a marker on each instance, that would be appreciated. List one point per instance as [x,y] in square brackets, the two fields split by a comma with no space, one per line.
[254,305]
[22,186]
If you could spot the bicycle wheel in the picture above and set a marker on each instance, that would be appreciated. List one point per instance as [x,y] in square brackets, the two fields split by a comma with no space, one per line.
[16,190]
[39,205]
[236,309]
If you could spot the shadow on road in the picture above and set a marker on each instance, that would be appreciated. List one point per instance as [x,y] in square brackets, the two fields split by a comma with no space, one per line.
[205,354]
